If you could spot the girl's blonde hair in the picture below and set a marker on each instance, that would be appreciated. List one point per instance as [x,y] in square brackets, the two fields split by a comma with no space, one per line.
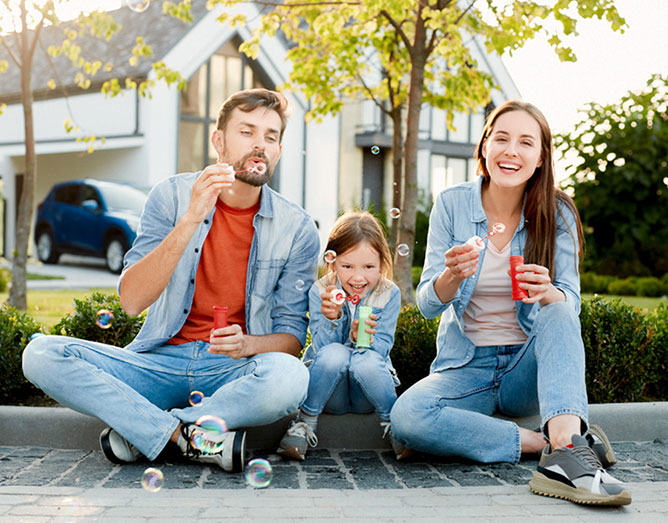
[355,227]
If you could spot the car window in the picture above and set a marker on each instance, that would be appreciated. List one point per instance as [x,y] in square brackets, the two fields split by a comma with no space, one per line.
[67,194]
[123,198]
[88,193]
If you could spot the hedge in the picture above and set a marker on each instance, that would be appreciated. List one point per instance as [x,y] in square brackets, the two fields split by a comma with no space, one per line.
[632,286]
[626,351]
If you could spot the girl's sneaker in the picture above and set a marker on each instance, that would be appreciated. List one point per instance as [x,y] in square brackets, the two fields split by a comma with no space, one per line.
[576,474]
[600,444]
[296,441]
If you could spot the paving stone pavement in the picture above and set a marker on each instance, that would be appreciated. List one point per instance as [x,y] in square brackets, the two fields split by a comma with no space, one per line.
[41,484]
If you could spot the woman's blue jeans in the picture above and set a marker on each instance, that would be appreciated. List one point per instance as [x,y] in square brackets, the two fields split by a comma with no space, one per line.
[145,395]
[449,413]
[345,379]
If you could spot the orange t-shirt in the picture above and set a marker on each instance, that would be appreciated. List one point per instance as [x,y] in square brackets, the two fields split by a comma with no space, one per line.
[221,273]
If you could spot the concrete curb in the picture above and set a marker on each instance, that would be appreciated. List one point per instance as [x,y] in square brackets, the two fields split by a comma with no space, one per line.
[62,428]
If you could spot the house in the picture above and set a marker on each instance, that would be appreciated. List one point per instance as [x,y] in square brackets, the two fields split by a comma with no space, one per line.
[325,167]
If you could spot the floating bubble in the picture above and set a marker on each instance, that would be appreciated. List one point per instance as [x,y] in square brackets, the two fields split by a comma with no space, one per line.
[196,398]
[209,435]
[35,335]
[259,473]
[375,149]
[329,256]
[402,249]
[300,285]
[138,6]
[104,318]
[152,479]
[498,227]
[395,213]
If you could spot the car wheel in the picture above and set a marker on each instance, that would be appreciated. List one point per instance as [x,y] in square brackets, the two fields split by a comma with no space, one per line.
[46,251]
[114,253]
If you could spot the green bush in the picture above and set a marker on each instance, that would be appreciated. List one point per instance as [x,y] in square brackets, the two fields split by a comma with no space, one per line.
[593,283]
[16,327]
[416,273]
[649,287]
[658,388]
[625,287]
[618,351]
[83,322]
[414,346]
[5,278]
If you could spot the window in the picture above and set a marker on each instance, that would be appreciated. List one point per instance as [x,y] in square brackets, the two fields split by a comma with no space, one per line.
[67,194]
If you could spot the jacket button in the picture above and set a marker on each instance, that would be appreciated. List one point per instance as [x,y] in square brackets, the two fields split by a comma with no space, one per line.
[206,222]
[185,311]
[196,249]
[192,281]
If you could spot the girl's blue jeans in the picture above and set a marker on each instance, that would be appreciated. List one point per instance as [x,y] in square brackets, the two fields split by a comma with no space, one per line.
[344,379]
[145,395]
[449,413]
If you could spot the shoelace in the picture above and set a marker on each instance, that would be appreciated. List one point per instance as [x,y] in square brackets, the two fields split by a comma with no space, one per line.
[189,431]
[302,430]
[588,455]
[386,426]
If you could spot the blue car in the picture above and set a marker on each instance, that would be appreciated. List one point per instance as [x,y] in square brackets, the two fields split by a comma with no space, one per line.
[88,217]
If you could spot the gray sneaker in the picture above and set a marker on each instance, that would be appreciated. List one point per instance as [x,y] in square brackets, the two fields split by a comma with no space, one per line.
[230,457]
[116,448]
[576,474]
[296,441]
[601,446]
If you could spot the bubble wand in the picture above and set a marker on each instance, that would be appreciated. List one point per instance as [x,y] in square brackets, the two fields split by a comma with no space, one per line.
[478,243]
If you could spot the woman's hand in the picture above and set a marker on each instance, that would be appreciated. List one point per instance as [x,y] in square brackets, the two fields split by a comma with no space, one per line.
[461,261]
[535,279]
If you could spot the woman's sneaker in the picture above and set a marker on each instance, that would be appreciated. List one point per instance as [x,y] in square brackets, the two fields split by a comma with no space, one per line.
[230,457]
[601,446]
[576,474]
[296,441]
[116,448]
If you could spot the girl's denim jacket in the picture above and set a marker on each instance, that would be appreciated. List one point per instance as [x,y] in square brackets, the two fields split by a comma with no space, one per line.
[456,216]
[284,251]
[384,299]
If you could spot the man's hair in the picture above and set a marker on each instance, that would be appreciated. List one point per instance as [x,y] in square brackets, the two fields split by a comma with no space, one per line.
[251,99]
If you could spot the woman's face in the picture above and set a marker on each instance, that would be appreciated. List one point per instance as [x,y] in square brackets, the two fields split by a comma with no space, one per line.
[512,151]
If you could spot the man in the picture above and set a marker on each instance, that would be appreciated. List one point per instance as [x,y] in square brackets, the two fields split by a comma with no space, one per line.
[204,239]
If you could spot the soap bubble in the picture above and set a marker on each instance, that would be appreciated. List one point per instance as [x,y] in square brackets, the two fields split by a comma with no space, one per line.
[209,435]
[259,473]
[498,227]
[402,249]
[104,318]
[35,335]
[300,285]
[152,479]
[138,6]
[329,256]
[259,168]
[375,149]
[395,213]
[196,398]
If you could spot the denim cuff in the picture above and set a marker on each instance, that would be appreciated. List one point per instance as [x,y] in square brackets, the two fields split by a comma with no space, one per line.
[584,419]
[518,445]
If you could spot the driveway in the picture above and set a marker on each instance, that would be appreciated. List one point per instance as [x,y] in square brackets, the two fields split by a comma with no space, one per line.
[79,272]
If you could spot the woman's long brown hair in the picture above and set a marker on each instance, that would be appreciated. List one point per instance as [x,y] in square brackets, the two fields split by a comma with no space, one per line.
[542,197]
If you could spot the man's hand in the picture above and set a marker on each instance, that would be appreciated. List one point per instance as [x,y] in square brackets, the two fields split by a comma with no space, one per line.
[329,309]
[371,329]
[206,189]
[230,341]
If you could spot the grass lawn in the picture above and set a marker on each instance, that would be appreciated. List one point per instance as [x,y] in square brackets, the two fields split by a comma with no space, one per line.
[644,303]
[48,306]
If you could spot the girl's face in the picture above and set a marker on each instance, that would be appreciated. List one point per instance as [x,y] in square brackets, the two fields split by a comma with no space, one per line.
[512,151]
[358,269]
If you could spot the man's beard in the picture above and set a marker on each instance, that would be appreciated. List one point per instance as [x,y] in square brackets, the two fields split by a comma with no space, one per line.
[249,176]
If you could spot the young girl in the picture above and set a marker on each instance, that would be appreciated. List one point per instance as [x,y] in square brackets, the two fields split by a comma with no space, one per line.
[495,354]
[343,377]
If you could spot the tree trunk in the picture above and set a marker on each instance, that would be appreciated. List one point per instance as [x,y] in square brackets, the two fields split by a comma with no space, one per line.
[403,264]
[397,164]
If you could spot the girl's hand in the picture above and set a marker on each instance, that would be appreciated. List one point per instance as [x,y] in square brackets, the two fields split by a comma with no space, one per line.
[371,329]
[461,261]
[535,279]
[329,309]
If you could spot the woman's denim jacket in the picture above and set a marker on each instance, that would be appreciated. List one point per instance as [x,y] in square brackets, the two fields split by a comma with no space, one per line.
[284,250]
[385,301]
[456,216]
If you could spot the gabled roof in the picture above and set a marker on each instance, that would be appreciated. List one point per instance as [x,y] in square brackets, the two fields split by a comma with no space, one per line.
[160,31]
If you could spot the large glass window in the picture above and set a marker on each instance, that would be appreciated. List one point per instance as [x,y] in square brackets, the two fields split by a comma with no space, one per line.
[223,74]
[447,172]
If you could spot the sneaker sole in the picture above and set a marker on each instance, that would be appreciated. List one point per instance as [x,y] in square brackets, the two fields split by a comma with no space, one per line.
[292,453]
[541,484]
[239,452]
[105,446]
[609,456]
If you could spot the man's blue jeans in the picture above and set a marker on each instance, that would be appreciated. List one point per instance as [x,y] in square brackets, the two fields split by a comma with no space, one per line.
[344,379]
[145,395]
[449,413]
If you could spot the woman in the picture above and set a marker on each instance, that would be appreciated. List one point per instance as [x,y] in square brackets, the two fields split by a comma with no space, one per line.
[499,355]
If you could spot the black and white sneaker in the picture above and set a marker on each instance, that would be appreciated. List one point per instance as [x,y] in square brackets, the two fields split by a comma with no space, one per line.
[576,474]
[230,447]
[116,448]
[601,446]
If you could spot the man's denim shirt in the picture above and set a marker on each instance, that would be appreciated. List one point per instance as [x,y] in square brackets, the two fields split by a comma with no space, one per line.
[284,250]
[456,216]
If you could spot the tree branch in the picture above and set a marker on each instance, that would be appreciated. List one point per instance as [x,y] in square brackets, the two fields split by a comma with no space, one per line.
[398,29]
[11,54]
[370,93]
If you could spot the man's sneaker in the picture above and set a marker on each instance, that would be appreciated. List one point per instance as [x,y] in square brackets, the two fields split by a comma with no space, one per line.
[296,441]
[600,444]
[400,450]
[230,456]
[116,448]
[576,474]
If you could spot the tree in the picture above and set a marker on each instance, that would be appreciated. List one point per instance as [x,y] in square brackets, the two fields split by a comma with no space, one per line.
[404,53]
[27,21]
[619,175]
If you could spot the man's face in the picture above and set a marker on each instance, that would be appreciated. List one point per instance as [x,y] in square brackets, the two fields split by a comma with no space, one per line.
[250,139]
